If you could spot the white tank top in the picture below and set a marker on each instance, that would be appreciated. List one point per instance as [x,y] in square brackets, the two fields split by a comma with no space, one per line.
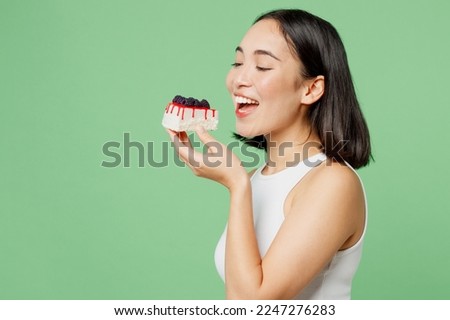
[269,194]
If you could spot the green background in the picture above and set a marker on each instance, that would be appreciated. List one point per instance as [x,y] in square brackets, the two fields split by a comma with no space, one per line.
[77,74]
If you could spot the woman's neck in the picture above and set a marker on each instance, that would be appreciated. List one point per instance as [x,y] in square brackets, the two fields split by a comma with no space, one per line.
[286,150]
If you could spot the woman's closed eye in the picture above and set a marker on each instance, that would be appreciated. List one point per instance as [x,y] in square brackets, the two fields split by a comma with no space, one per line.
[263,68]
[238,64]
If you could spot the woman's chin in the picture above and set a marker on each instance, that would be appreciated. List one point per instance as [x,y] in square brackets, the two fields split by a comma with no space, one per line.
[246,132]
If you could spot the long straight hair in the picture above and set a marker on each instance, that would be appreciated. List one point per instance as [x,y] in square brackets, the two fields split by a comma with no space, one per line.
[336,116]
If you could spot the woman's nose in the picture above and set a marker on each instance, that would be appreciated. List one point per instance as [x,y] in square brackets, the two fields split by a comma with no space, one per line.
[243,78]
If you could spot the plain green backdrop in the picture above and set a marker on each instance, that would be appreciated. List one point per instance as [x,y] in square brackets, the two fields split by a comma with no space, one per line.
[77,74]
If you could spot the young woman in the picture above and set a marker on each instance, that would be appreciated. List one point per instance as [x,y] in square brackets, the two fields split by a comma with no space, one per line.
[296,224]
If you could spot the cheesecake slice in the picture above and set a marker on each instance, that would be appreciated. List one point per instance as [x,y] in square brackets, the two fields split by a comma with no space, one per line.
[185,114]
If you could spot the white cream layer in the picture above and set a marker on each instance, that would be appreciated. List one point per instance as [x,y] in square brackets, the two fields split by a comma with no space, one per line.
[177,119]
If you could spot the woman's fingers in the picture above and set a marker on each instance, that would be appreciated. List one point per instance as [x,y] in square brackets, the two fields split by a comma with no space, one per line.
[212,145]
[184,149]
[183,136]
[217,162]
[171,133]
[217,154]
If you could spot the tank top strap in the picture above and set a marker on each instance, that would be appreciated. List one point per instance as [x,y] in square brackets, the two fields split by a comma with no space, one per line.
[287,178]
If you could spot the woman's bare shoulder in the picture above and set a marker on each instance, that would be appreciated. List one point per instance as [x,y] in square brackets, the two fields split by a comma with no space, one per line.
[331,184]
[333,175]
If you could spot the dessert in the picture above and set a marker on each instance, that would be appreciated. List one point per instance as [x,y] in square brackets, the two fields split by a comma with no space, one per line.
[185,114]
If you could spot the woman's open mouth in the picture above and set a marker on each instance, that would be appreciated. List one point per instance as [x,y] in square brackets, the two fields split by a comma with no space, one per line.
[244,106]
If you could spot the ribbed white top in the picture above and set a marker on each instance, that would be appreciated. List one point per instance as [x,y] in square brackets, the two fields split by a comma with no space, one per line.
[269,194]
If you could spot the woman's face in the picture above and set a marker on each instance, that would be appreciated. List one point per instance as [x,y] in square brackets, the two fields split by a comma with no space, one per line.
[265,82]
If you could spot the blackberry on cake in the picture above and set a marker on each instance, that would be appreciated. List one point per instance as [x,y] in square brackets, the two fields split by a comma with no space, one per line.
[185,114]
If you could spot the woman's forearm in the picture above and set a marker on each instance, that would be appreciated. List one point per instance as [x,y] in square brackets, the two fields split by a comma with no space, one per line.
[243,271]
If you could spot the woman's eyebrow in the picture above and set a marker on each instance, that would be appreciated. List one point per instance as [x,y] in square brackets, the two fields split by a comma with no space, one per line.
[259,52]
[265,52]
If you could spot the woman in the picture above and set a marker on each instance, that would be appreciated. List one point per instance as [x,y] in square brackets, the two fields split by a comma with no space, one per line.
[296,225]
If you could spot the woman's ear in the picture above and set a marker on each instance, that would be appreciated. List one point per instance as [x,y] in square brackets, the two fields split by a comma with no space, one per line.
[314,90]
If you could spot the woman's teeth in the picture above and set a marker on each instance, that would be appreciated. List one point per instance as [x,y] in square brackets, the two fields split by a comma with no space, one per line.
[243,100]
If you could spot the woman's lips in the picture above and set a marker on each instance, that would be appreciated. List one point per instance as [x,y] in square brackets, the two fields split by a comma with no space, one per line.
[245,110]
[244,105]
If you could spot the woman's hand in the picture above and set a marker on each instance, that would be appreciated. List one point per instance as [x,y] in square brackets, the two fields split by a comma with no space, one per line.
[218,163]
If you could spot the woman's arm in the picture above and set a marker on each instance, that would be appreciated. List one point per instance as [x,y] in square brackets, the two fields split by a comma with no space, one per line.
[321,219]
[243,264]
